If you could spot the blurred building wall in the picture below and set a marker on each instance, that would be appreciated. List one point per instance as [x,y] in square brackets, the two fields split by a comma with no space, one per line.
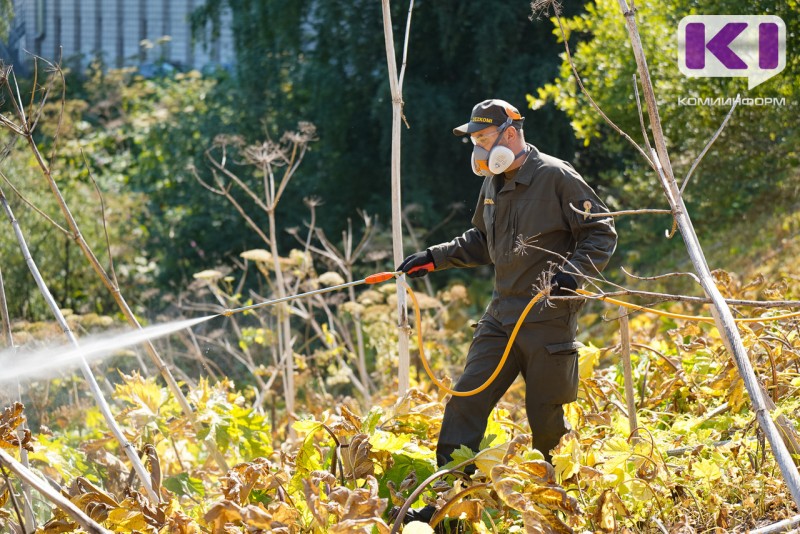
[145,33]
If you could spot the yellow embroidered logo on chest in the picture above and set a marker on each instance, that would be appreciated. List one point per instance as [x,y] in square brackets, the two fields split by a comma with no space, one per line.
[488,202]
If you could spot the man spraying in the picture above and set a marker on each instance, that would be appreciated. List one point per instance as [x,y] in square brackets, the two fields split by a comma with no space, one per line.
[525,226]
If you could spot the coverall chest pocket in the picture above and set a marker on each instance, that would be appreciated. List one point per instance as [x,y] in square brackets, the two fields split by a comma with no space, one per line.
[533,216]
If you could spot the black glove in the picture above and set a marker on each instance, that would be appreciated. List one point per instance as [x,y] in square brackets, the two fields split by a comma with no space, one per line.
[561,283]
[416,260]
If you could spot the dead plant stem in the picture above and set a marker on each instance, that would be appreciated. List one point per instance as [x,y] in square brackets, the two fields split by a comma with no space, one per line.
[397,205]
[50,494]
[625,352]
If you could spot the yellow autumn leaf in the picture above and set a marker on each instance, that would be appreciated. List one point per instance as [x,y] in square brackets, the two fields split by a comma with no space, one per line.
[574,414]
[588,358]
[640,491]
[388,441]
[488,458]
[307,425]
[567,457]
[706,470]
[125,520]
[145,394]
[617,451]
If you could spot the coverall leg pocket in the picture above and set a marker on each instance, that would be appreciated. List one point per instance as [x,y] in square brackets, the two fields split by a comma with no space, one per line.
[562,371]
[552,375]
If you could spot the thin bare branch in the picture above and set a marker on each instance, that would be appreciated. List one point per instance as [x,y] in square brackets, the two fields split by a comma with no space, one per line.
[667,297]
[36,113]
[618,213]
[574,271]
[306,135]
[710,142]
[663,356]
[627,371]
[50,494]
[103,217]
[365,236]
[222,191]
[291,165]
[5,319]
[589,97]
[221,167]
[16,105]
[661,276]
[18,95]
[415,243]
[33,206]
[189,340]
[10,125]
[226,193]
[329,251]
[62,107]
[312,206]
[641,116]
[10,489]
[31,107]
[405,47]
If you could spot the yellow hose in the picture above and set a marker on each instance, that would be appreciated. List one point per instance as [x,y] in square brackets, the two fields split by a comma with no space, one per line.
[533,301]
[696,318]
[489,380]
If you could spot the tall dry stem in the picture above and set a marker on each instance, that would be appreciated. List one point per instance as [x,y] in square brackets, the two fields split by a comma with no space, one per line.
[396,87]
[267,158]
[344,260]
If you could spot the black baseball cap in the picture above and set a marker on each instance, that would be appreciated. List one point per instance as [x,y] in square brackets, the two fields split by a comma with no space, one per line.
[492,112]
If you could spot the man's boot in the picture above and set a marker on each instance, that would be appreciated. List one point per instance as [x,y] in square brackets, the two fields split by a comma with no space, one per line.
[423,514]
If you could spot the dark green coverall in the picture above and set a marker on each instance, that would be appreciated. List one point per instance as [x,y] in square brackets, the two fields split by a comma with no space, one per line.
[516,222]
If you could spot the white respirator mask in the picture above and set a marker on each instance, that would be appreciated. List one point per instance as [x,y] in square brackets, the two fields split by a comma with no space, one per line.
[495,160]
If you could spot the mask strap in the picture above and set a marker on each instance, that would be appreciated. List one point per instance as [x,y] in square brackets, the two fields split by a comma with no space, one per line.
[501,129]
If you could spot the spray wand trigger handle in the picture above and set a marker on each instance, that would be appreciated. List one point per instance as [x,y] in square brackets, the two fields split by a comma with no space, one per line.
[377,278]
[426,267]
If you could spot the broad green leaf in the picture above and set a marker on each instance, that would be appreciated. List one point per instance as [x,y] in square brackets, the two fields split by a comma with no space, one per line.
[461,454]
[184,484]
